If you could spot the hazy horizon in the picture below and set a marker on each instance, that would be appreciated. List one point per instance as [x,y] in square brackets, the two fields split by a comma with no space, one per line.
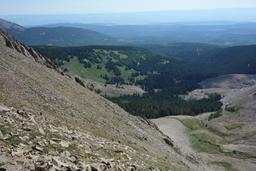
[130,18]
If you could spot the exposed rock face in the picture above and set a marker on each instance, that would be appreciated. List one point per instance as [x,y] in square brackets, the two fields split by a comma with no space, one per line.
[11,42]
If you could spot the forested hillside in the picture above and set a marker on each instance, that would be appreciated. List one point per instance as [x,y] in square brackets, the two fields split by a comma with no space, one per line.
[167,76]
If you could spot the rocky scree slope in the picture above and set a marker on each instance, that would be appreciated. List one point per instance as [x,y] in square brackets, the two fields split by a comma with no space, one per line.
[50,122]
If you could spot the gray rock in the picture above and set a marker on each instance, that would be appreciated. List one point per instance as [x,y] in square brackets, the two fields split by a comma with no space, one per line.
[1,135]
[38,148]
[64,144]
[56,162]
[3,159]
[41,130]
[4,109]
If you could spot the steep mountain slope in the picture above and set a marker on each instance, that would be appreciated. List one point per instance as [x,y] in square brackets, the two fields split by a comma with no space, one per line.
[48,120]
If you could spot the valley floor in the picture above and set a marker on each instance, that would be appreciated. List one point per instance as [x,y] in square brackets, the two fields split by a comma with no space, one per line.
[174,128]
[227,140]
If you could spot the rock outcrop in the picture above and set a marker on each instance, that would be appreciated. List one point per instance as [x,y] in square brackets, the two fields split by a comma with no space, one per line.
[11,42]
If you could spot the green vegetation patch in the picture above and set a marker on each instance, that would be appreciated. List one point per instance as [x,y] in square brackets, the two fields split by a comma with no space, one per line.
[205,134]
[202,138]
[227,166]
[93,72]
[4,130]
[192,124]
[233,126]
[203,145]
[14,140]
[215,115]
[51,135]
[205,141]
[53,148]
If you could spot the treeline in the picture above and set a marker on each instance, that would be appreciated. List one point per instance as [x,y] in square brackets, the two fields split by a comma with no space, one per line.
[160,104]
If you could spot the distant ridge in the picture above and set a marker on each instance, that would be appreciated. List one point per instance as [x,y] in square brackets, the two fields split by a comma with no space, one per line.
[8,26]
[57,36]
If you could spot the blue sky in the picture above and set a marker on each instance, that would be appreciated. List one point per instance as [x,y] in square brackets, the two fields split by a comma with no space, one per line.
[14,7]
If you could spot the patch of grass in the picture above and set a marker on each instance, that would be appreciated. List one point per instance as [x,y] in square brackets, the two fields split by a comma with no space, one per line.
[217,132]
[232,109]
[51,135]
[206,141]
[215,115]
[183,96]
[203,138]
[202,145]
[234,126]
[192,124]
[227,166]
[209,136]
[73,149]
[53,147]
[4,130]
[14,140]
[88,73]
[125,74]
[2,164]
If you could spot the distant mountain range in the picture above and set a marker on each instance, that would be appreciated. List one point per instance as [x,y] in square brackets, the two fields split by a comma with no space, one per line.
[77,34]
[218,33]
[57,36]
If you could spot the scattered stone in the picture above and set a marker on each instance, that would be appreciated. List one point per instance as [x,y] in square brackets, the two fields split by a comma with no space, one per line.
[79,81]
[1,135]
[18,152]
[93,168]
[53,142]
[56,162]
[64,144]
[24,138]
[26,129]
[118,151]
[3,158]
[22,113]
[168,141]
[41,165]
[41,130]
[133,168]
[38,148]
[153,169]
[56,140]
[65,154]
[4,109]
